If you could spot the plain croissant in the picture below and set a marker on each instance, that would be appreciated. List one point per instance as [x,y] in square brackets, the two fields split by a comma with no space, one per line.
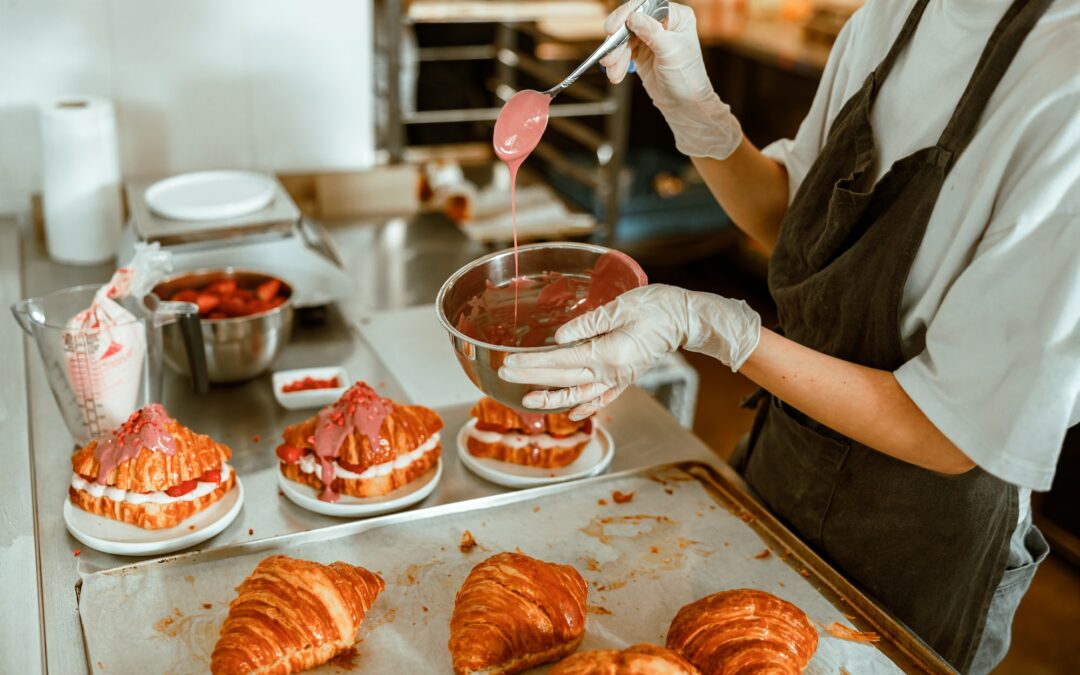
[643,659]
[291,615]
[743,631]
[514,612]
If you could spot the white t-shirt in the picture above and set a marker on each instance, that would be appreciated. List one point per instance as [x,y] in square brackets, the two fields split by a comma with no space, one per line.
[990,316]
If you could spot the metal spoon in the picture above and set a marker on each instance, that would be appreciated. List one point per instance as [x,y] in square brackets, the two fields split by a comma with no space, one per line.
[657,9]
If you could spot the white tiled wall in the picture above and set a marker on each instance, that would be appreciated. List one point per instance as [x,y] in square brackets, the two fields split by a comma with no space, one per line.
[267,84]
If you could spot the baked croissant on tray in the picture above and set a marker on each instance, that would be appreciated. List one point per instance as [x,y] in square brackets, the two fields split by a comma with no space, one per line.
[531,439]
[290,615]
[743,631]
[151,471]
[514,612]
[362,445]
[643,659]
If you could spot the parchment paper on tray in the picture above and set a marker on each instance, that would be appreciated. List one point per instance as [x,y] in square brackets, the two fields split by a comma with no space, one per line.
[644,558]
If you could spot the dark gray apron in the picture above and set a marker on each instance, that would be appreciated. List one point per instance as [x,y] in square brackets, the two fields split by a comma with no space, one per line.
[929,547]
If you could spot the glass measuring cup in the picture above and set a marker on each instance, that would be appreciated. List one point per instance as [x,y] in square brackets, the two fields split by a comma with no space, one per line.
[100,375]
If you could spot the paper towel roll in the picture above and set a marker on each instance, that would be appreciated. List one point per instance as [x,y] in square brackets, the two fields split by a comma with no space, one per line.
[81,179]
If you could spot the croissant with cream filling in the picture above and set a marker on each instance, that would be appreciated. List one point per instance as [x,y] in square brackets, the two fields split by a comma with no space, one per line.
[540,440]
[362,445]
[368,487]
[150,515]
[151,471]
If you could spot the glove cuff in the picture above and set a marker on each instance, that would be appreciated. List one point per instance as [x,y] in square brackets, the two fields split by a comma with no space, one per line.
[704,128]
[725,329]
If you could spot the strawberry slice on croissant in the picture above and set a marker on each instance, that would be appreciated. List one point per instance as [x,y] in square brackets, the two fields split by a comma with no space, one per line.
[531,439]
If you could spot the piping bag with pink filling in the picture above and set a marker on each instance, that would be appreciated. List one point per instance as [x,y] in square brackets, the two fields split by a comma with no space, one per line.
[108,374]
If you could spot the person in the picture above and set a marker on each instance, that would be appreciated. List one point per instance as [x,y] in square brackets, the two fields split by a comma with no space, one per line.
[924,225]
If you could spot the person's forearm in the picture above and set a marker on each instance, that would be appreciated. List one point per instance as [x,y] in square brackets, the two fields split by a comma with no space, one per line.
[865,404]
[752,189]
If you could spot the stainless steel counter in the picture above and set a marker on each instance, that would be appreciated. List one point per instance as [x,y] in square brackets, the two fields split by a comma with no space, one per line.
[399,263]
[21,637]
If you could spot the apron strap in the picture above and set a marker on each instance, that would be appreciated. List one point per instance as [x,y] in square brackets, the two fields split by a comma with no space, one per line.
[1001,48]
[902,39]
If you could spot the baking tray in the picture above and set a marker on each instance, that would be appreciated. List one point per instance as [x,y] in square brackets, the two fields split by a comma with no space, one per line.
[687,531]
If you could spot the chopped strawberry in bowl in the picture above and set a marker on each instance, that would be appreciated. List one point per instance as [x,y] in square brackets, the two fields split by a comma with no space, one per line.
[310,387]
[246,320]
[226,294]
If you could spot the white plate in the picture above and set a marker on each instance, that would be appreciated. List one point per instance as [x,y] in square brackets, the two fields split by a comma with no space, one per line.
[309,398]
[210,195]
[593,460]
[361,507]
[112,536]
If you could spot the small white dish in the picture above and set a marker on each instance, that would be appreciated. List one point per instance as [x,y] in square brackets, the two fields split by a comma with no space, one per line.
[309,398]
[118,538]
[307,497]
[593,460]
[210,195]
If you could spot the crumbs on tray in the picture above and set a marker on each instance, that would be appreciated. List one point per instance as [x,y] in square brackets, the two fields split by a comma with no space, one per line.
[468,543]
[838,630]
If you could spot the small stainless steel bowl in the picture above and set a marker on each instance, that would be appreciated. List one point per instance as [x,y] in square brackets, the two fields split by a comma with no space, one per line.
[236,349]
[481,360]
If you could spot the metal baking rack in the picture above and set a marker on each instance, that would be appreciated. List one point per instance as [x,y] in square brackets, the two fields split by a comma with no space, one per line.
[611,102]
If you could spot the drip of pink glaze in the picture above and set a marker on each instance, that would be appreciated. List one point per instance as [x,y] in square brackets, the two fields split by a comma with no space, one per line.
[145,428]
[534,422]
[518,129]
[359,409]
[513,166]
[328,494]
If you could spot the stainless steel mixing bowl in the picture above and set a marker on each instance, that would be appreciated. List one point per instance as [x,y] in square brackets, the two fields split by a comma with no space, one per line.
[236,349]
[481,360]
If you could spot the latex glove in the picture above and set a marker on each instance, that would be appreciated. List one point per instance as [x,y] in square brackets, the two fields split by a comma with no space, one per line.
[629,336]
[671,67]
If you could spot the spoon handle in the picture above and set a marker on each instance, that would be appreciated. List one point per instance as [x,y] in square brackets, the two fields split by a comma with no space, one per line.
[658,9]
